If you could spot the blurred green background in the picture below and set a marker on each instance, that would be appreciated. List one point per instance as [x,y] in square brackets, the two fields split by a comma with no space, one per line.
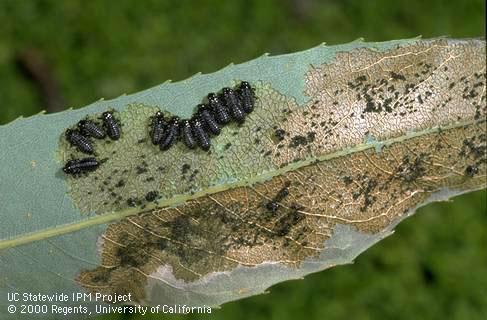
[58,54]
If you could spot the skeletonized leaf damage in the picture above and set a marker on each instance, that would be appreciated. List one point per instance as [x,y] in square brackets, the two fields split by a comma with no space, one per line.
[364,150]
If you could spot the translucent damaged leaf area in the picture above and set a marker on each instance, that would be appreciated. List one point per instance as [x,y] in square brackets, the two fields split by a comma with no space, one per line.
[362,96]
[288,218]
[380,133]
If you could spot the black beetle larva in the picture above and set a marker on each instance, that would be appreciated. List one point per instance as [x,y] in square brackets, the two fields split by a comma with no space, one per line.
[200,134]
[208,120]
[247,96]
[111,125]
[78,166]
[171,134]
[157,128]
[219,110]
[78,140]
[90,129]
[187,134]
[233,104]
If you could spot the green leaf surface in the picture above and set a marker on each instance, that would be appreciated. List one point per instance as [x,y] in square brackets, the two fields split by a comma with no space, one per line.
[345,142]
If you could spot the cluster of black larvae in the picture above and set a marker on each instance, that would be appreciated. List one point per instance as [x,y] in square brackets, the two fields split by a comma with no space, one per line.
[81,139]
[208,120]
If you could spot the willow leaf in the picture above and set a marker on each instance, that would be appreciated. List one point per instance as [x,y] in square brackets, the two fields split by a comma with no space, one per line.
[344,143]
